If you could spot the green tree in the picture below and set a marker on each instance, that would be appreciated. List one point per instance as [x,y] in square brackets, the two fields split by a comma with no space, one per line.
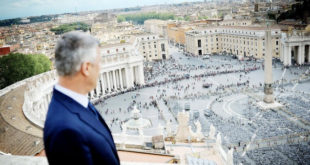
[70,27]
[16,66]
[187,18]
[139,18]
[120,18]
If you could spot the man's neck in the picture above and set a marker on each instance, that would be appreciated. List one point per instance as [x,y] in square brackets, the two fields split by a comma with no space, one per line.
[73,84]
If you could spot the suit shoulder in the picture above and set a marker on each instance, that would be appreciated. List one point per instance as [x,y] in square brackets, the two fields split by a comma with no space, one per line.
[59,117]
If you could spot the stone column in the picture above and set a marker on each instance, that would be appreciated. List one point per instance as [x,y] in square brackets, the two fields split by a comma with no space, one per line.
[308,54]
[114,79]
[134,74]
[98,87]
[302,53]
[141,74]
[299,55]
[130,76]
[115,76]
[268,98]
[120,78]
[102,82]
[287,56]
[127,78]
[108,81]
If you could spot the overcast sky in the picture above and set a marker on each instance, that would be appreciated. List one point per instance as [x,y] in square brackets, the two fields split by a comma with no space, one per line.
[24,8]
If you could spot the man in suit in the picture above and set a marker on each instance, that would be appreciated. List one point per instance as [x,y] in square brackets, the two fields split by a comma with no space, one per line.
[74,132]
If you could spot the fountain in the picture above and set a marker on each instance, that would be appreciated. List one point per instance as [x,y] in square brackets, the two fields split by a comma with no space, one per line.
[137,122]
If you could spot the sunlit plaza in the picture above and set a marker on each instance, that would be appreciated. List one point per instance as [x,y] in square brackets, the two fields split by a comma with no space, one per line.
[223,92]
[208,82]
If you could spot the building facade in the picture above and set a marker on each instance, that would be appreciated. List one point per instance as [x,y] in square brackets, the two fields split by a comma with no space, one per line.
[240,41]
[295,48]
[176,33]
[156,26]
[236,22]
[121,68]
[153,47]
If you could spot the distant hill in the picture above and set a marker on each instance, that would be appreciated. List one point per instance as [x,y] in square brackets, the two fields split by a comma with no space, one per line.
[18,21]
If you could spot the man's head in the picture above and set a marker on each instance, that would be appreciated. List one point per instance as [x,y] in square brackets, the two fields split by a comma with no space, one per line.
[77,61]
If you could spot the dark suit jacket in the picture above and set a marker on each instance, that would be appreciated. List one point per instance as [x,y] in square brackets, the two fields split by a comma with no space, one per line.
[73,135]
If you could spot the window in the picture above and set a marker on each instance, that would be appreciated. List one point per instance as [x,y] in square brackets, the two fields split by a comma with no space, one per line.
[163,47]
[154,46]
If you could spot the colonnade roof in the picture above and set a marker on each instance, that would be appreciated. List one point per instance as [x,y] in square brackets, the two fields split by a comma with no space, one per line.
[115,45]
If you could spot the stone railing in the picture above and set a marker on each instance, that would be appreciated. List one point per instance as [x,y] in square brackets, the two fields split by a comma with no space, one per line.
[19,84]
[11,87]
[37,97]
[35,90]
[138,140]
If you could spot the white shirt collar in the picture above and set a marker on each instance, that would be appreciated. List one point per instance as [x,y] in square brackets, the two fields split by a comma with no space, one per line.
[81,99]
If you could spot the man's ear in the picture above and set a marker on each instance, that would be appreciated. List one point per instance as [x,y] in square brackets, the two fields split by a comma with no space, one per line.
[85,68]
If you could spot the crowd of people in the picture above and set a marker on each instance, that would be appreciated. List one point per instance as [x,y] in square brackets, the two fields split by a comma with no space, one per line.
[280,154]
[179,79]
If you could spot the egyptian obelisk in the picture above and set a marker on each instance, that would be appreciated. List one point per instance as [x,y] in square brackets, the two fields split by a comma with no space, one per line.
[268,98]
